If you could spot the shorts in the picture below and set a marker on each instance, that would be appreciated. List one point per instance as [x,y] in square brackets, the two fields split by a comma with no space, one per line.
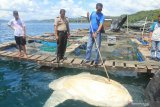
[20,40]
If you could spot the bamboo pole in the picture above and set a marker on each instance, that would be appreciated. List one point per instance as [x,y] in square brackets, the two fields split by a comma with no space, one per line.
[127,23]
[144,28]
[100,54]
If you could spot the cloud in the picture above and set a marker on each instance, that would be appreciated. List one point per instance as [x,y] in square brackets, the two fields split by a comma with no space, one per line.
[117,7]
[23,6]
[49,9]
[73,8]
[45,2]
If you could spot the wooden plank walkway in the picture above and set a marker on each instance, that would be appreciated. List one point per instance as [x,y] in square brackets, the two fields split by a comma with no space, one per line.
[50,61]
[72,47]
[7,44]
[147,66]
[51,39]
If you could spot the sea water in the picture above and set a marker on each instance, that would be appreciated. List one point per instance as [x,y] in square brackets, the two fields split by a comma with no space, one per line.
[25,84]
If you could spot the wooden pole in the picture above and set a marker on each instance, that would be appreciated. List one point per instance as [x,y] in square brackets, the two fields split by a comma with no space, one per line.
[81,22]
[100,54]
[144,28]
[127,23]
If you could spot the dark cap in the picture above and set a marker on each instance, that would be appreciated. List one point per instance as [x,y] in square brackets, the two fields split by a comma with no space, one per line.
[15,12]
[62,10]
[99,5]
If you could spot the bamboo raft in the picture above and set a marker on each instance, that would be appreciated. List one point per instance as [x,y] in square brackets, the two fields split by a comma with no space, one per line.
[146,66]
[51,38]
[50,61]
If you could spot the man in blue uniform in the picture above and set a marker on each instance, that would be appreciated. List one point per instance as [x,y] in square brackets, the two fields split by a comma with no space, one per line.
[96,23]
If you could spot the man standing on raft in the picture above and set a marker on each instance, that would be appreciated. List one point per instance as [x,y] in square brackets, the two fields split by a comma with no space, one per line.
[19,32]
[96,23]
[62,31]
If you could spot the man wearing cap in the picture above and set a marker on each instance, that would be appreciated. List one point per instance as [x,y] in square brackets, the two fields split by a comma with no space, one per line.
[62,31]
[155,40]
[18,26]
[96,22]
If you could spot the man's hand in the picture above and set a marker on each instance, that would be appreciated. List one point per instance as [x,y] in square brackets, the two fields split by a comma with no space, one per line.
[150,43]
[24,37]
[68,35]
[87,14]
[95,35]
[11,27]
[149,40]
[57,37]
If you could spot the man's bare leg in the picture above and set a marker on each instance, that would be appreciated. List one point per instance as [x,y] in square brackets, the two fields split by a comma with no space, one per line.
[19,51]
[25,52]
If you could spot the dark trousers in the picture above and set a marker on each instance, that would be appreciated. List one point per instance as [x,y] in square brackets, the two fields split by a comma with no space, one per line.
[61,44]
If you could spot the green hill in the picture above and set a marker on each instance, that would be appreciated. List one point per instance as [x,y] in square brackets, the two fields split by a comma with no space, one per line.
[151,15]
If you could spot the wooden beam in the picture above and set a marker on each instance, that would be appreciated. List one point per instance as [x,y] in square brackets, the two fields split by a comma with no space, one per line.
[1,52]
[68,61]
[6,53]
[34,57]
[43,57]
[155,69]
[11,54]
[89,64]
[77,62]
[50,59]
[119,64]
[109,63]
[142,68]
[28,57]
[130,65]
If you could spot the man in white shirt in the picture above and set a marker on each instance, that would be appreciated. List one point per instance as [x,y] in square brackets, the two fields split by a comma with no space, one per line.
[19,32]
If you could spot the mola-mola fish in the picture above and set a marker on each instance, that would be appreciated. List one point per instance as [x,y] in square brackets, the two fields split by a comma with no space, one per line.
[92,89]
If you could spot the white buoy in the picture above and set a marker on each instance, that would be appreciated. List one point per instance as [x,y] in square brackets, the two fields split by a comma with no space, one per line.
[92,89]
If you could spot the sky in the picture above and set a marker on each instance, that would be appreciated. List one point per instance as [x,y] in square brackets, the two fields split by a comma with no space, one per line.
[49,9]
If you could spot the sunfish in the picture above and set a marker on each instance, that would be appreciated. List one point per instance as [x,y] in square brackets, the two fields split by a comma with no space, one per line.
[92,89]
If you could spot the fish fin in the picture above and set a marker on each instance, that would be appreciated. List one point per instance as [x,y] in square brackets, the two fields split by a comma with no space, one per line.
[56,98]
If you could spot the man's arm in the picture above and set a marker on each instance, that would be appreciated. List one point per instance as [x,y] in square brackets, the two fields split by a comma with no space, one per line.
[11,27]
[88,18]
[151,31]
[10,24]
[55,28]
[56,31]
[24,28]
[101,23]
[150,35]
[68,28]
[100,27]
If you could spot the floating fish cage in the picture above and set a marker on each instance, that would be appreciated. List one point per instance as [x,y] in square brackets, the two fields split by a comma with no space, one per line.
[126,53]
